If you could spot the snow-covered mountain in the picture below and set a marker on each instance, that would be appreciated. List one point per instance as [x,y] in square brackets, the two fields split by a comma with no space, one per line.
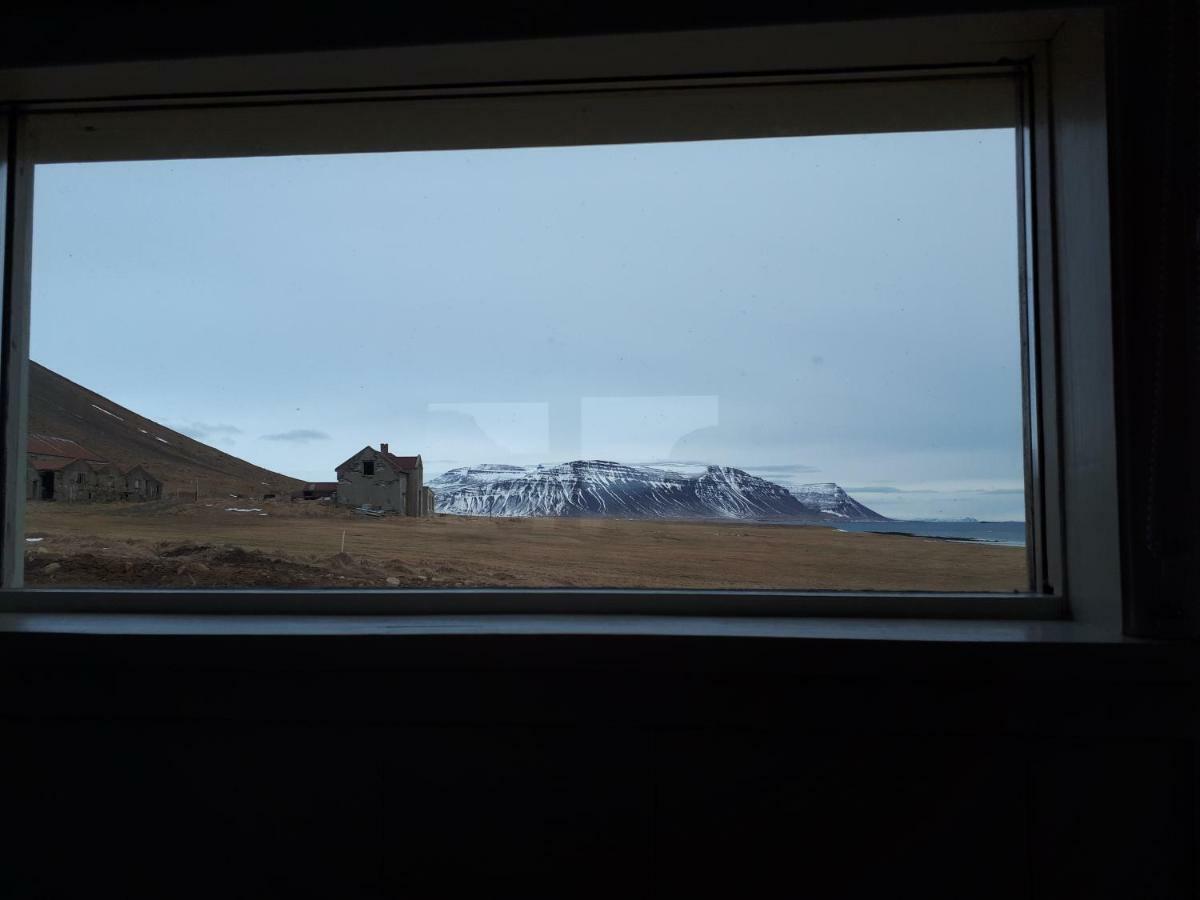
[829,498]
[602,488]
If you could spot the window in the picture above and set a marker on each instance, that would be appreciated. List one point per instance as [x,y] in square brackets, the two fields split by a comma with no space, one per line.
[705,180]
[803,351]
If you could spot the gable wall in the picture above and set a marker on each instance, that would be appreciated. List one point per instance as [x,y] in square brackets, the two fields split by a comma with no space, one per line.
[384,489]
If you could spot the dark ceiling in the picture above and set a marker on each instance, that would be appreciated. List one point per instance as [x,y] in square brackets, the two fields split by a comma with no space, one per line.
[56,33]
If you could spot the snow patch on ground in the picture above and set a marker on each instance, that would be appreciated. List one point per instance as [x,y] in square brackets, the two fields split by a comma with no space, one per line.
[107,413]
[238,509]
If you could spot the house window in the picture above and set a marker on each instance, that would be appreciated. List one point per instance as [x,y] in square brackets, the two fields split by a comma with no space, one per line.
[766,332]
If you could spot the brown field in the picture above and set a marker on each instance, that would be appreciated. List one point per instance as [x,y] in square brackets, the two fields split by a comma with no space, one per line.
[299,544]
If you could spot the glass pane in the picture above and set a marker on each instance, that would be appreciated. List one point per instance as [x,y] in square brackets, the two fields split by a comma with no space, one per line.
[771,363]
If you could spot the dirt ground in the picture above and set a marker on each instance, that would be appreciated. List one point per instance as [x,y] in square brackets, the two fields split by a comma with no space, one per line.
[284,544]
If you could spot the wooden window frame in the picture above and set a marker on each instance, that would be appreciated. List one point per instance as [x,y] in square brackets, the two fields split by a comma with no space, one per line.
[436,96]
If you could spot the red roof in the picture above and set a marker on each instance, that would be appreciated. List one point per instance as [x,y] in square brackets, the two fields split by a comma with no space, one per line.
[402,463]
[398,464]
[44,445]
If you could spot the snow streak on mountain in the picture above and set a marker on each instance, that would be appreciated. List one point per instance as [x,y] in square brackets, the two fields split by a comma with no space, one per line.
[830,498]
[601,488]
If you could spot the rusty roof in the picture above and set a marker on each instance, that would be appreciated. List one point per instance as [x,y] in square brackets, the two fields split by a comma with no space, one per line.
[41,464]
[45,445]
[50,465]
[399,464]
[402,463]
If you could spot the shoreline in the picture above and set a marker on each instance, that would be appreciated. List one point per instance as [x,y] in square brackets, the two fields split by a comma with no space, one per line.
[936,537]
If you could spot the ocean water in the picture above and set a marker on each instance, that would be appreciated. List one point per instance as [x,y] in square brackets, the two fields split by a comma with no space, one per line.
[1010,534]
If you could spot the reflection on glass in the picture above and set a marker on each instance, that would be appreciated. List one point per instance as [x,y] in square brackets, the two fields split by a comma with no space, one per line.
[787,363]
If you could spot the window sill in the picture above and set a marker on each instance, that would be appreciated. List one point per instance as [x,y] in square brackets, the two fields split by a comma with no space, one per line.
[562,625]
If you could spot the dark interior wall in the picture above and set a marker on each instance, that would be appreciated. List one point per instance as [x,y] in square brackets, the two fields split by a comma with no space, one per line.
[1154,118]
[583,766]
[409,766]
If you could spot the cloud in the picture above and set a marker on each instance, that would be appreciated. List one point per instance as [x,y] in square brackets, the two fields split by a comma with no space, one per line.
[297,436]
[203,431]
[1002,491]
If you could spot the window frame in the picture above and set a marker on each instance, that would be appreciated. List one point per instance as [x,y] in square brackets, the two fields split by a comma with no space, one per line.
[1057,59]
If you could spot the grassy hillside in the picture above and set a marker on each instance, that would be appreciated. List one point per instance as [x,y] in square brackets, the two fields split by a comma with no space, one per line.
[61,408]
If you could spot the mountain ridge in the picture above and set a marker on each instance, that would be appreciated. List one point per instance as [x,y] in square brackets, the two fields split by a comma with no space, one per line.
[607,488]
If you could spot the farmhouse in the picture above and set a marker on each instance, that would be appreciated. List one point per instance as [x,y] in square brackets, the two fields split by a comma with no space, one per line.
[62,469]
[383,481]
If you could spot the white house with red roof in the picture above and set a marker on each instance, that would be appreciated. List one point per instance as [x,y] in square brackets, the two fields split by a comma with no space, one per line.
[382,481]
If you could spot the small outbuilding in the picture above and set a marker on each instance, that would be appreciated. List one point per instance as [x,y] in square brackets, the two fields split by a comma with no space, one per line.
[76,480]
[107,482]
[317,490]
[141,485]
[59,469]
[62,469]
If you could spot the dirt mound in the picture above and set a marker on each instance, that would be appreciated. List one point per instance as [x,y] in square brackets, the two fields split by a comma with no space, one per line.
[231,568]
[55,562]
[183,550]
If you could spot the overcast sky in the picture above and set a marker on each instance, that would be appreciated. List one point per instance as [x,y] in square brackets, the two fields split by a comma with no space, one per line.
[810,309]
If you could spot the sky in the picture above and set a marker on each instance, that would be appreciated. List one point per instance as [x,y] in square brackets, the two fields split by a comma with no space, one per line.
[834,308]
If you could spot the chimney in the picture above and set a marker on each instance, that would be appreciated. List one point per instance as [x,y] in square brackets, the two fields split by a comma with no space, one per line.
[383,448]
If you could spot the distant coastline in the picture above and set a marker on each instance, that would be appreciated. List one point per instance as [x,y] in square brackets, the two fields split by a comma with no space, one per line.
[1009,534]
